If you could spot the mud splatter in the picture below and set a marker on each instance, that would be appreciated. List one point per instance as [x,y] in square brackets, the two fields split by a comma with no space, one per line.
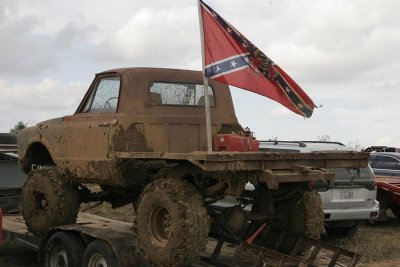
[230,128]
[130,139]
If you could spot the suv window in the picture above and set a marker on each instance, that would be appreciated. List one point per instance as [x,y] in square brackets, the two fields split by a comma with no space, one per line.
[343,174]
[181,94]
[384,162]
[105,97]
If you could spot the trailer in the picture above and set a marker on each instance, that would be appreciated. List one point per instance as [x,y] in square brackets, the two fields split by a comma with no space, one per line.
[388,195]
[99,241]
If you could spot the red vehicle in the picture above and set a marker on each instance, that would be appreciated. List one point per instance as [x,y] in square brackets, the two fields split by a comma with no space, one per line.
[388,194]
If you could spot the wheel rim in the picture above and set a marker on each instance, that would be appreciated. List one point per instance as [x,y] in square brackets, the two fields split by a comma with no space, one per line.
[41,201]
[58,258]
[97,260]
[160,226]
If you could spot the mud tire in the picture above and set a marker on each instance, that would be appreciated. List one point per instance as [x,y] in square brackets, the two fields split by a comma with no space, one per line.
[306,215]
[48,200]
[172,223]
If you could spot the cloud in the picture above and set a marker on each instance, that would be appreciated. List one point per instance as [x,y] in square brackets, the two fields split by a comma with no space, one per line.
[22,52]
[34,102]
[74,33]
[155,37]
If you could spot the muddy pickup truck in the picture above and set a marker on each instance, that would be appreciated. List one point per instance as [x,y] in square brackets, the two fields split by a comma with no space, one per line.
[140,134]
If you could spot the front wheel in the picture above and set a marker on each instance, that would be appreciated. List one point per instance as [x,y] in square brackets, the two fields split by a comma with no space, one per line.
[172,222]
[48,200]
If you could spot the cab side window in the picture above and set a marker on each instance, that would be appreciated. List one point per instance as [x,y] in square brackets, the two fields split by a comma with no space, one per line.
[105,97]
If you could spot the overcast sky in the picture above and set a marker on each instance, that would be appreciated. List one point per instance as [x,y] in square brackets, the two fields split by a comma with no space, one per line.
[344,54]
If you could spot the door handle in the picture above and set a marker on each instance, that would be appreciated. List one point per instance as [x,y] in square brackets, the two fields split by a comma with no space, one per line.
[110,123]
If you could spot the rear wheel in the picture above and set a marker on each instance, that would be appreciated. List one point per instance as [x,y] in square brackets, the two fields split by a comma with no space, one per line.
[300,215]
[48,200]
[306,215]
[172,222]
[63,250]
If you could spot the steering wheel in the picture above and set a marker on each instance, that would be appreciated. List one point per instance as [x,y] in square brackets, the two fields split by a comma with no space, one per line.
[107,104]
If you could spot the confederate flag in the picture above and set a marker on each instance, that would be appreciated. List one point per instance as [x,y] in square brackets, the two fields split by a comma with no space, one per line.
[232,59]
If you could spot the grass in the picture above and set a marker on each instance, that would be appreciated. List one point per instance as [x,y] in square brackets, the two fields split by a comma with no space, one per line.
[377,242]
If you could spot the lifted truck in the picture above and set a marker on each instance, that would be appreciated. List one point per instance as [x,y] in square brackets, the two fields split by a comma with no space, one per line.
[140,134]
[96,241]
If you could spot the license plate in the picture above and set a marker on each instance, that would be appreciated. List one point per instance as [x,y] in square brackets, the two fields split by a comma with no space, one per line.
[346,194]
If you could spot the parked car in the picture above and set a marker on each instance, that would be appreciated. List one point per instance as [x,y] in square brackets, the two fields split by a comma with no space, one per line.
[385,163]
[350,201]
[11,176]
[386,166]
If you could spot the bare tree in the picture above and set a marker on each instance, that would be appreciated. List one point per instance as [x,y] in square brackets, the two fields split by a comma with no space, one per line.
[18,127]
[324,138]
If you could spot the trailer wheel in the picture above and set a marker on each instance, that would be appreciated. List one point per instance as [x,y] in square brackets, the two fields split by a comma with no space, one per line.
[63,249]
[99,254]
[172,222]
[48,200]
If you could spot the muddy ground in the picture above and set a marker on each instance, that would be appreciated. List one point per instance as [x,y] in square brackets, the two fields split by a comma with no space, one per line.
[378,243]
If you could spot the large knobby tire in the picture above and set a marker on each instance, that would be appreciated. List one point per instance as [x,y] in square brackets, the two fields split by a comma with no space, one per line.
[99,253]
[48,200]
[300,215]
[64,249]
[306,215]
[172,223]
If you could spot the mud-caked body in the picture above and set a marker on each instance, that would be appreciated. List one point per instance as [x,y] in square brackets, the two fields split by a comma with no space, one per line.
[140,134]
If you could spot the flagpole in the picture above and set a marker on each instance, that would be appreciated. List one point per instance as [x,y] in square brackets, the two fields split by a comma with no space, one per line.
[205,80]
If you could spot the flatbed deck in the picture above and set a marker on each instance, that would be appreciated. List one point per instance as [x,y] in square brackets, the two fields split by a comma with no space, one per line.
[124,243]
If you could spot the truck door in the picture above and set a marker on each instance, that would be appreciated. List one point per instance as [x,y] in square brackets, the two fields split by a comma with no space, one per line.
[87,131]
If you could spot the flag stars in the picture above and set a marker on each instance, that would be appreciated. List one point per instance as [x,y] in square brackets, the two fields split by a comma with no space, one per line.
[287,89]
[217,69]
[233,64]
[229,30]
[244,45]
[214,14]
[300,106]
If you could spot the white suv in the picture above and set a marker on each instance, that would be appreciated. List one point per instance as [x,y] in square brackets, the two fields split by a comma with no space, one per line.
[350,200]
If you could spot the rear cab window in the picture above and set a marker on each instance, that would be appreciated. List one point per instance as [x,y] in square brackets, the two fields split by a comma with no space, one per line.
[179,94]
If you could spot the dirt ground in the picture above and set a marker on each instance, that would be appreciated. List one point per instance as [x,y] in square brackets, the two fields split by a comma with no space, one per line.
[378,243]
